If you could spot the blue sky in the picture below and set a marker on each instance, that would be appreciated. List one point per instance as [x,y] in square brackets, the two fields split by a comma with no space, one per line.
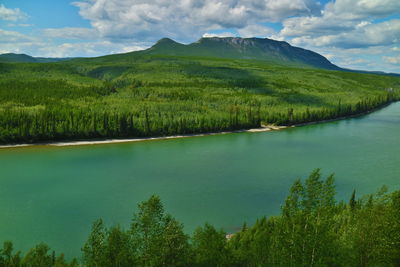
[360,34]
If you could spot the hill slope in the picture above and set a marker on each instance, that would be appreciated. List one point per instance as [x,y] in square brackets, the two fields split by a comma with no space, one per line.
[23,58]
[244,48]
[173,88]
[11,57]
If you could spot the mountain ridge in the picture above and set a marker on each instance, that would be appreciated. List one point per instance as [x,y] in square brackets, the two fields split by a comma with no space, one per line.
[24,58]
[243,48]
[263,49]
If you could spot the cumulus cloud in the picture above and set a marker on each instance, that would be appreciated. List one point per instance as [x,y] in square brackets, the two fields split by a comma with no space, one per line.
[10,37]
[88,49]
[315,26]
[360,9]
[391,60]
[346,24]
[340,16]
[256,30]
[185,19]
[14,42]
[362,58]
[71,33]
[11,14]
[360,34]
[222,34]
[385,33]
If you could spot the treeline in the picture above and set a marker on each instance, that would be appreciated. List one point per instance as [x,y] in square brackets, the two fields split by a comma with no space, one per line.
[159,96]
[313,229]
[57,118]
[39,256]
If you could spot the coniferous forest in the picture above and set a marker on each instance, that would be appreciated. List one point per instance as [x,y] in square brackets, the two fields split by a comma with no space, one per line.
[144,94]
[313,229]
[140,95]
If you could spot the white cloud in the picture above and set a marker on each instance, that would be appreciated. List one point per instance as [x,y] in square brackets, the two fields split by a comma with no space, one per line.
[329,56]
[340,15]
[88,49]
[14,42]
[11,14]
[71,33]
[345,31]
[184,19]
[19,25]
[392,60]
[315,26]
[256,30]
[222,34]
[10,37]
[364,58]
[360,9]
[385,33]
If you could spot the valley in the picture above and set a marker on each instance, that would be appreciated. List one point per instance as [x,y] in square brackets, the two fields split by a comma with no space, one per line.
[172,89]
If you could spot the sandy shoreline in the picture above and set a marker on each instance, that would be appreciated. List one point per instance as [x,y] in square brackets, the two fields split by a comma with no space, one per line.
[264,128]
[129,140]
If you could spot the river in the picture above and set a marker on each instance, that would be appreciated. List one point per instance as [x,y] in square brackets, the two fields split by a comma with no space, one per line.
[53,194]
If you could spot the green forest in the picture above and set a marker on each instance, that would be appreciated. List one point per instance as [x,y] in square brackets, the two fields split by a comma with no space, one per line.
[313,229]
[140,95]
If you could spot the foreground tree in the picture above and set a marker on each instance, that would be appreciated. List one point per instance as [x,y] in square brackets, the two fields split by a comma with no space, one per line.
[210,247]
[313,230]
[157,238]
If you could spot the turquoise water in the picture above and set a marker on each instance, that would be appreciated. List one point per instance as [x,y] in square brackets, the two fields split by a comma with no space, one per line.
[53,194]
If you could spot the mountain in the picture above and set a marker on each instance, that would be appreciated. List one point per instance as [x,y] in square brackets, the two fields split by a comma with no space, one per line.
[262,49]
[23,58]
[243,48]
[11,57]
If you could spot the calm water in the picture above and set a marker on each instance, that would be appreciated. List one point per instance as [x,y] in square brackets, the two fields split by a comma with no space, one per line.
[54,194]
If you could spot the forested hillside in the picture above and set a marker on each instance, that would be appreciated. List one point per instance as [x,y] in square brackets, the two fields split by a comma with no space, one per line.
[313,229]
[12,58]
[147,93]
[244,48]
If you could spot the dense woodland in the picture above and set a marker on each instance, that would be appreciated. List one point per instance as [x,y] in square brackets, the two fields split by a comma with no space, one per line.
[313,229]
[135,95]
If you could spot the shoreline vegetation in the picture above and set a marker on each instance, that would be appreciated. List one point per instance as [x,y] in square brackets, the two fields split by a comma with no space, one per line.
[263,128]
[143,96]
[312,229]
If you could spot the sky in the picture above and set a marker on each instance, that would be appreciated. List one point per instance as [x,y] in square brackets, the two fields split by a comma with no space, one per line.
[357,34]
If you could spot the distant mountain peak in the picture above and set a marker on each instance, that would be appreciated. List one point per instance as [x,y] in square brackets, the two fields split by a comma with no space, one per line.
[252,41]
[165,46]
[165,40]
[15,54]
[24,58]
[13,57]
[244,48]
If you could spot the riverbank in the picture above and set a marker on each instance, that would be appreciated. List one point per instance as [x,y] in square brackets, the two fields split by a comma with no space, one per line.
[264,128]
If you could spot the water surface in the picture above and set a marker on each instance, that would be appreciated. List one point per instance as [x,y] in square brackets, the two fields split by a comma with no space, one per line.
[53,194]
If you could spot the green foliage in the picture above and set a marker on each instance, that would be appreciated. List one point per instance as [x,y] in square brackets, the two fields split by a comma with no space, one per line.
[154,239]
[94,248]
[7,258]
[139,95]
[157,238]
[210,247]
[312,230]
[39,256]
